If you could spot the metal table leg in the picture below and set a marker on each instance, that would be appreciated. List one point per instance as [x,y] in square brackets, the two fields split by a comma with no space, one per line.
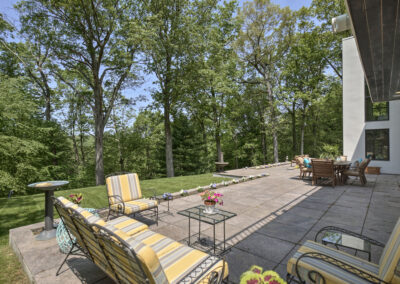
[189,231]
[214,236]
[224,235]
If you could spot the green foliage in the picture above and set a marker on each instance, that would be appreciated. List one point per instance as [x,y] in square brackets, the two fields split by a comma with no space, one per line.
[241,81]
[329,151]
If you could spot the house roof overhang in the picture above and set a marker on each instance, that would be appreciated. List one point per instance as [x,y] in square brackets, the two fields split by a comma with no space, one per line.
[376,28]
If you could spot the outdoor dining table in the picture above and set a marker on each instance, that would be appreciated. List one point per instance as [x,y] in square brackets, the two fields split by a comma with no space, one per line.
[340,167]
[48,187]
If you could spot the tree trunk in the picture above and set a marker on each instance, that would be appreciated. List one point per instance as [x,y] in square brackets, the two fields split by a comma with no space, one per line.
[169,159]
[81,136]
[218,144]
[99,153]
[273,119]
[303,125]
[294,138]
[99,133]
[75,145]
[263,139]
[81,139]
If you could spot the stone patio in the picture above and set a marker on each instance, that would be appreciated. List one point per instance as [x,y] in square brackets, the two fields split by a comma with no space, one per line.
[275,215]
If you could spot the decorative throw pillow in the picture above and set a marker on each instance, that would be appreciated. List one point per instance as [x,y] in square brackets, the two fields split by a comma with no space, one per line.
[307,163]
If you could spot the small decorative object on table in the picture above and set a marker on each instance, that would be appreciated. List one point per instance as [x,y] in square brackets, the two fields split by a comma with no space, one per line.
[210,199]
[255,275]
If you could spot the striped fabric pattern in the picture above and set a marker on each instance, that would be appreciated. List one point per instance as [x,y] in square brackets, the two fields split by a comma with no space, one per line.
[135,206]
[126,186]
[128,269]
[60,205]
[178,260]
[390,256]
[66,202]
[331,273]
[151,263]
[128,225]
[91,242]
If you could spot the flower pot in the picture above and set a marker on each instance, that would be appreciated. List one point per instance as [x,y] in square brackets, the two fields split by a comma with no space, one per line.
[210,206]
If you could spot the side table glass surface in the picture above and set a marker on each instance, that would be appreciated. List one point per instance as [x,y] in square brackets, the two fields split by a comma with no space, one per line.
[198,213]
[344,240]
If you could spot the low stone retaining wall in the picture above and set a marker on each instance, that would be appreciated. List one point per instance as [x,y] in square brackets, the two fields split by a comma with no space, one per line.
[214,186]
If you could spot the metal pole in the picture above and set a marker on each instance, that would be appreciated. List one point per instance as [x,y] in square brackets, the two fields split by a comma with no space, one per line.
[48,219]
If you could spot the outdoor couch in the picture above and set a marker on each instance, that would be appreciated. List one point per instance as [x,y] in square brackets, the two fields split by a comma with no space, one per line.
[125,196]
[128,252]
[317,263]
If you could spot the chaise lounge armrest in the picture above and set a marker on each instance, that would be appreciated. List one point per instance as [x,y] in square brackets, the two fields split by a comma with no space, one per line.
[341,230]
[120,203]
[314,274]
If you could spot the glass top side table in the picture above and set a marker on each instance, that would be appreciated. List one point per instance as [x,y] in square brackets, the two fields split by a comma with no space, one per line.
[340,239]
[198,213]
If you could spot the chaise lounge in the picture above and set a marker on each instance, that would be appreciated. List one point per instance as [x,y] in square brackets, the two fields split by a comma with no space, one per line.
[128,252]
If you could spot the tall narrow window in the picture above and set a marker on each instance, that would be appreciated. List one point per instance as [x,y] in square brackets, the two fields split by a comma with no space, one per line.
[375,111]
[377,144]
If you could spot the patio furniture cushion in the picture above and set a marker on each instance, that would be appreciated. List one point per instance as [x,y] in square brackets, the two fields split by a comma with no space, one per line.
[128,225]
[177,260]
[126,186]
[390,256]
[331,273]
[307,163]
[135,206]
[91,218]
[66,202]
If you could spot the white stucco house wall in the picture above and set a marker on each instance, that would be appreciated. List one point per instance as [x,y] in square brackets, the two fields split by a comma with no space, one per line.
[355,124]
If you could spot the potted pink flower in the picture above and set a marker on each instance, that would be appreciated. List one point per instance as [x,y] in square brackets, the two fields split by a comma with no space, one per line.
[76,198]
[210,199]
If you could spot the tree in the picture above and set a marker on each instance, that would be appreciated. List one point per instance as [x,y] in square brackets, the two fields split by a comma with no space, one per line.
[167,41]
[214,69]
[324,11]
[302,70]
[263,41]
[98,41]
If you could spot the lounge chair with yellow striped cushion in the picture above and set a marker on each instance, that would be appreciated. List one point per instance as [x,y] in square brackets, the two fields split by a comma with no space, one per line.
[317,263]
[66,209]
[151,257]
[145,256]
[125,196]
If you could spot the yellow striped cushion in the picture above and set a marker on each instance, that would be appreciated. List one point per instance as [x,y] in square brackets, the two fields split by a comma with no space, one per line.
[128,225]
[147,257]
[390,255]
[67,203]
[331,273]
[136,205]
[177,260]
[126,186]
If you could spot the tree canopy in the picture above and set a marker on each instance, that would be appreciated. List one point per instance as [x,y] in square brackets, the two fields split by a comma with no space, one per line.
[256,82]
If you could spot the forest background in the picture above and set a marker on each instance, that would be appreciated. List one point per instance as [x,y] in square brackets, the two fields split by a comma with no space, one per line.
[256,81]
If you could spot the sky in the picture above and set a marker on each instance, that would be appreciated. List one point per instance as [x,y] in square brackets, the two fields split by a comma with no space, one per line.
[9,13]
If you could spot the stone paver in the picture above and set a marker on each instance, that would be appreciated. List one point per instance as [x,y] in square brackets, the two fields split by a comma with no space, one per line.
[275,215]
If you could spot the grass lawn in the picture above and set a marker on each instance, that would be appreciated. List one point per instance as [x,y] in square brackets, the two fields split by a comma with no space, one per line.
[23,210]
